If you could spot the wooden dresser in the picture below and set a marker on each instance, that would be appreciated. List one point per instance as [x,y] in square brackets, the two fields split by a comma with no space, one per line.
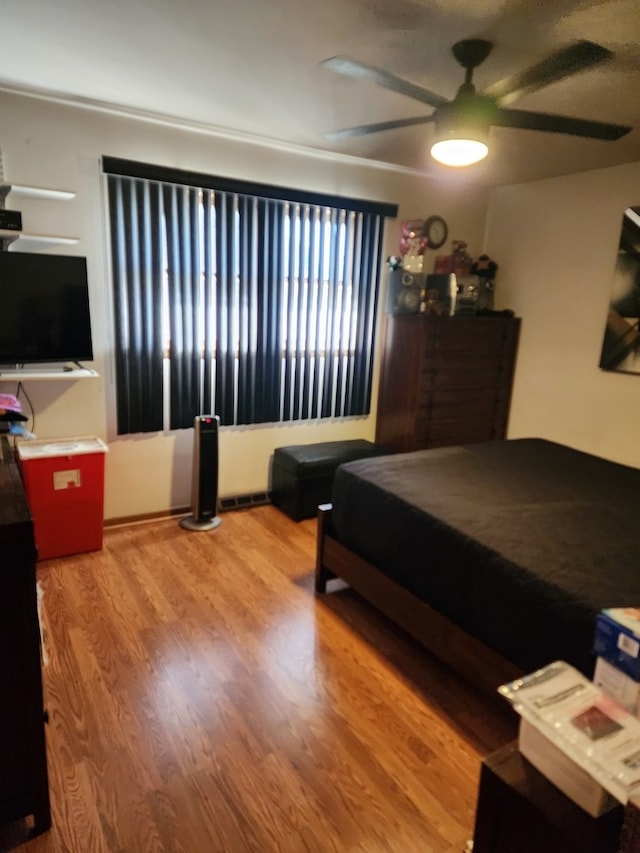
[24,790]
[445,380]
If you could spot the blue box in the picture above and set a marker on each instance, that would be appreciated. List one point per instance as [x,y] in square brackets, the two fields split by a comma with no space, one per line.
[617,639]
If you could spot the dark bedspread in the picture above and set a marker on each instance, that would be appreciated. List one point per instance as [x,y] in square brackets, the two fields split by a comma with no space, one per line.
[519,542]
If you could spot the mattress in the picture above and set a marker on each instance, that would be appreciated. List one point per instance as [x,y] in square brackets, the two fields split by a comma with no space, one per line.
[519,542]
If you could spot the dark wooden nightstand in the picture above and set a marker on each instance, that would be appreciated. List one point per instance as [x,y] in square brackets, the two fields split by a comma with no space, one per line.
[520,811]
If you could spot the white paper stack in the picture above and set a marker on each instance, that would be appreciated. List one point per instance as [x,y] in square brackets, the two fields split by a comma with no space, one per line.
[575,732]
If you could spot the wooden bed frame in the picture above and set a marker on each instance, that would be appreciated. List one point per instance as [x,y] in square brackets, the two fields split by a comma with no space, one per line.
[472,660]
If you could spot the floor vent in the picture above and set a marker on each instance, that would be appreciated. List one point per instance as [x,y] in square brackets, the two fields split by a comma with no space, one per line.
[244,501]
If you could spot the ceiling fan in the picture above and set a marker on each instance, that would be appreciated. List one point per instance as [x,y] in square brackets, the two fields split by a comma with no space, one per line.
[462,124]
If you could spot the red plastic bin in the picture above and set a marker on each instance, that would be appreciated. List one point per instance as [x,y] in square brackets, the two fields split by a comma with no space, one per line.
[64,482]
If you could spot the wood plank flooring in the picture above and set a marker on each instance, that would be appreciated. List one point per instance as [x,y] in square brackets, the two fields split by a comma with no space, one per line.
[202,699]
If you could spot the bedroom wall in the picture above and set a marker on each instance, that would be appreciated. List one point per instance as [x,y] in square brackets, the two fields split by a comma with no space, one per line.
[556,242]
[58,145]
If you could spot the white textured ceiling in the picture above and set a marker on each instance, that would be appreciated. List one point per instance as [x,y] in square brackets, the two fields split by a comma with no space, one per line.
[253,66]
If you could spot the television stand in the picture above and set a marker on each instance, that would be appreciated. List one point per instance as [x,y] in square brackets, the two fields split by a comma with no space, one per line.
[70,370]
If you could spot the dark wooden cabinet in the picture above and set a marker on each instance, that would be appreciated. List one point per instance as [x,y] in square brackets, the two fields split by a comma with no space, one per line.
[24,790]
[520,811]
[445,380]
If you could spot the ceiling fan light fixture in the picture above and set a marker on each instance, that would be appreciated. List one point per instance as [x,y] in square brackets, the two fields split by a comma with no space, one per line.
[462,124]
[459,152]
[462,130]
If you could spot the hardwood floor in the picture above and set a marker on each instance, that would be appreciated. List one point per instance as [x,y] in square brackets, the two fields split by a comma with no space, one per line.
[202,699]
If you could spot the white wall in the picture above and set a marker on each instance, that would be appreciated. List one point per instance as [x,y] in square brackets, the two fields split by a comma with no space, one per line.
[556,242]
[56,145]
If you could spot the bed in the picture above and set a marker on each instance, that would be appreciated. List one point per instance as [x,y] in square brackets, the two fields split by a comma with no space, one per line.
[496,556]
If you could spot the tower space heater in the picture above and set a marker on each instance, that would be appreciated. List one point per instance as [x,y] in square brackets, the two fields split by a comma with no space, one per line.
[204,485]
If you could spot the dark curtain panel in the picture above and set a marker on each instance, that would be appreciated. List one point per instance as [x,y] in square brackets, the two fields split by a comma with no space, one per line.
[245,313]
[366,280]
[267,305]
[137,268]
[225,302]
[269,276]
[209,304]
[317,353]
[186,303]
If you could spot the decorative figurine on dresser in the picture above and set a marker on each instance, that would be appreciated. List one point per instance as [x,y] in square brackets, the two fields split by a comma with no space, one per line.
[408,279]
[24,788]
[448,357]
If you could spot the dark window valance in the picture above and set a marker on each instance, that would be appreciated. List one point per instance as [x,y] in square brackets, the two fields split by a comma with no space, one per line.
[164,174]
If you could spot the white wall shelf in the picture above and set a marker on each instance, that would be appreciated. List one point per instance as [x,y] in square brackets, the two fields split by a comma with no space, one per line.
[22,239]
[19,374]
[35,192]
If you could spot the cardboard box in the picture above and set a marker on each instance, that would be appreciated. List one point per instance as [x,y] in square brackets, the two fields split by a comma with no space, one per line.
[619,686]
[575,782]
[617,639]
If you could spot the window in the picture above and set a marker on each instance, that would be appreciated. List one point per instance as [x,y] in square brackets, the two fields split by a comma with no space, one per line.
[253,302]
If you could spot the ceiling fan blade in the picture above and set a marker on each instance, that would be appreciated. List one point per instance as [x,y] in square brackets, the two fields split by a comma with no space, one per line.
[351,68]
[568,60]
[559,124]
[364,129]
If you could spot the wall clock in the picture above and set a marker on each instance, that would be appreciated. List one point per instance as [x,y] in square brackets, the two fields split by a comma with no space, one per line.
[436,231]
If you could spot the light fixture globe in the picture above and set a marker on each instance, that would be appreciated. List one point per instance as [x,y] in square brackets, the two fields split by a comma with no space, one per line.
[459,152]
[462,130]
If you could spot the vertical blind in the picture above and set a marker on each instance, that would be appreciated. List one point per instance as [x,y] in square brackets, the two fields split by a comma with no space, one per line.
[257,308]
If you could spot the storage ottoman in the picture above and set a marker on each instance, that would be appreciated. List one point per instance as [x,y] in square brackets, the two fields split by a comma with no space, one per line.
[302,473]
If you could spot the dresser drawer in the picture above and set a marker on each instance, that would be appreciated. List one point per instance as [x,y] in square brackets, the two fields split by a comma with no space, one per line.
[478,335]
[451,432]
[468,374]
[482,408]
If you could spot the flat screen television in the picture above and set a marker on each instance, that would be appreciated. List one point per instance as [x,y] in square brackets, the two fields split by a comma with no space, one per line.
[44,309]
